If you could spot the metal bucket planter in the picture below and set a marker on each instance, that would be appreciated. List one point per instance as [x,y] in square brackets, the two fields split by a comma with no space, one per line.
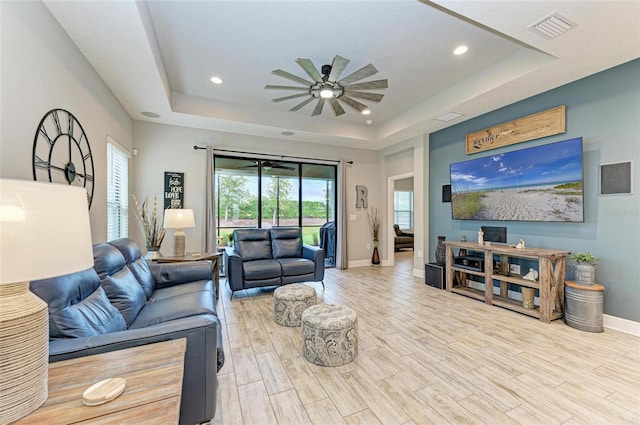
[585,274]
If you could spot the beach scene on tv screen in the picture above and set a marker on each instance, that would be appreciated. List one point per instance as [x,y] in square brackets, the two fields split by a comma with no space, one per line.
[542,183]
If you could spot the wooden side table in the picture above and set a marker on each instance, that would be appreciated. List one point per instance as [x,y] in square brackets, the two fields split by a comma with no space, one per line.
[154,387]
[215,259]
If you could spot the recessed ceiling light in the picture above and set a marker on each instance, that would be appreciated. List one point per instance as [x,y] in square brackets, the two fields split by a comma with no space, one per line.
[287,133]
[216,80]
[150,114]
[460,50]
[369,122]
[366,112]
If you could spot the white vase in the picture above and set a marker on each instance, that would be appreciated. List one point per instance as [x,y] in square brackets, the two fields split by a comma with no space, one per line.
[585,274]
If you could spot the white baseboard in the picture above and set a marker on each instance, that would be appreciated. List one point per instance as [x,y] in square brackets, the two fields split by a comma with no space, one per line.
[359,263]
[610,322]
[621,325]
[418,273]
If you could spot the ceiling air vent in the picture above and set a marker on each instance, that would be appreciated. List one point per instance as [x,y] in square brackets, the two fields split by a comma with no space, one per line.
[552,26]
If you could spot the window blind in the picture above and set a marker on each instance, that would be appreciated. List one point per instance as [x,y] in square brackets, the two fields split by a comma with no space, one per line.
[117,192]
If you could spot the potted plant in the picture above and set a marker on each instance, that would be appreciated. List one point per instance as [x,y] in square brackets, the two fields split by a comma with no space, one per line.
[374,228]
[152,226]
[229,237]
[585,266]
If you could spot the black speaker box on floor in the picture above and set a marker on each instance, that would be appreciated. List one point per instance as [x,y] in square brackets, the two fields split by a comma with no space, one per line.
[434,275]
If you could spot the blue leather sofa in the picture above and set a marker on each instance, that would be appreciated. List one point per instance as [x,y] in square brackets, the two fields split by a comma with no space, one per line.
[124,302]
[270,257]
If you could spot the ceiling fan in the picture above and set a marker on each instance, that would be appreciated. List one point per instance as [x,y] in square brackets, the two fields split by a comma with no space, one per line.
[270,164]
[326,87]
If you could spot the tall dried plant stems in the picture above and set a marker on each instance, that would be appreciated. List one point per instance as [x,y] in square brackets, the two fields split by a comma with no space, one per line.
[374,223]
[151,223]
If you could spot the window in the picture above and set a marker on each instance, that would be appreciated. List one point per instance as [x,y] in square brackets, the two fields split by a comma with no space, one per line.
[117,191]
[403,209]
[254,192]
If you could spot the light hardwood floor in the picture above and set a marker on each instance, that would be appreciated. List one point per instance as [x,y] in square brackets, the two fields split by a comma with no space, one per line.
[425,357]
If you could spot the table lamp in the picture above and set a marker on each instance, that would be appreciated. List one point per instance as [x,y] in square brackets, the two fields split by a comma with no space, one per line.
[44,232]
[178,219]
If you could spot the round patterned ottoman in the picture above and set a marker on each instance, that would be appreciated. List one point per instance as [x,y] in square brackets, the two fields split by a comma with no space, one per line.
[290,301]
[329,334]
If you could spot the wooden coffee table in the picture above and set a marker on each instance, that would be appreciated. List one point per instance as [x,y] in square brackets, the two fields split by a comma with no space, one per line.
[198,256]
[154,387]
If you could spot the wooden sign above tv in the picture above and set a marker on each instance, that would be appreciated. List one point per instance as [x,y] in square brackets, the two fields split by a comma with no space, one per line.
[542,124]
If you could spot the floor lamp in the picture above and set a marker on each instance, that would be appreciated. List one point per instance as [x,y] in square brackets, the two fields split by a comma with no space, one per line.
[44,232]
[178,219]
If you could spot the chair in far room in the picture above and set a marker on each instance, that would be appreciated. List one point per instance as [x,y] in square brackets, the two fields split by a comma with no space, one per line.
[403,238]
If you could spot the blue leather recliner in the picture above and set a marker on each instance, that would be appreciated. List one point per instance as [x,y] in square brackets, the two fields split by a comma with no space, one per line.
[272,257]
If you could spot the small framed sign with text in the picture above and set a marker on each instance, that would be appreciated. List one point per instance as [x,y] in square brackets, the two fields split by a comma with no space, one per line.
[173,190]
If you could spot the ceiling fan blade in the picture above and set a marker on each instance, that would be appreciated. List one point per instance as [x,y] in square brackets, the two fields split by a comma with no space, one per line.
[293,96]
[337,66]
[368,85]
[271,86]
[310,69]
[301,104]
[364,72]
[318,108]
[282,167]
[374,97]
[337,109]
[290,76]
[353,103]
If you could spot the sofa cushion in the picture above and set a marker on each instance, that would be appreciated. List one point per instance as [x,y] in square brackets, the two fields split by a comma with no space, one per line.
[120,285]
[134,261]
[176,307]
[185,288]
[78,306]
[252,244]
[286,242]
[296,266]
[261,269]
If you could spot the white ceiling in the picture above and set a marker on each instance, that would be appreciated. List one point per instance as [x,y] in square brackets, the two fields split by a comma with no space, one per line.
[158,56]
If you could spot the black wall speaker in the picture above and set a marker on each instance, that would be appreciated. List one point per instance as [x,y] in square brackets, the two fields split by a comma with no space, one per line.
[446,193]
[616,178]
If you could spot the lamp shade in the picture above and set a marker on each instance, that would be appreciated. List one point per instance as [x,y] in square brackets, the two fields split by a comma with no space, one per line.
[178,218]
[44,230]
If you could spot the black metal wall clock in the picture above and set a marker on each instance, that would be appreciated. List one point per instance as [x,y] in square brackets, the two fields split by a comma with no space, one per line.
[61,152]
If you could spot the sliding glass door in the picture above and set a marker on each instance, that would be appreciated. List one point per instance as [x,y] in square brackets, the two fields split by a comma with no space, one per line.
[280,194]
[266,193]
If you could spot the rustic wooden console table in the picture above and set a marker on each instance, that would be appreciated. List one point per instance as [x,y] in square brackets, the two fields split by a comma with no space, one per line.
[550,283]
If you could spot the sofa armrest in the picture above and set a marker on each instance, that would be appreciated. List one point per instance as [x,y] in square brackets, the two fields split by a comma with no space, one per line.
[234,270]
[316,255]
[70,348]
[170,274]
[201,361]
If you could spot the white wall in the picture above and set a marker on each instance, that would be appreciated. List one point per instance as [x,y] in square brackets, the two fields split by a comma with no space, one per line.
[404,185]
[42,70]
[170,148]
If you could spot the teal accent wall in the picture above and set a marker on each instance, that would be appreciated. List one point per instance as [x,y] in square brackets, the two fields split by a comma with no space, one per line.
[603,109]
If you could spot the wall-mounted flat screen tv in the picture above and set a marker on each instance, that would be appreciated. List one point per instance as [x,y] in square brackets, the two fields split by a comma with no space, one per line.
[541,183]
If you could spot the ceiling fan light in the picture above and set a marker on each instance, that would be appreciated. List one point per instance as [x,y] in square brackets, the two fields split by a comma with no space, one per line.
[326,92]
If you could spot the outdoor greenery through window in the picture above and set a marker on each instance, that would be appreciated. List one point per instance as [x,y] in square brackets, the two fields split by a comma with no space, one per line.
[403,209]
[117,191]
[263,193]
